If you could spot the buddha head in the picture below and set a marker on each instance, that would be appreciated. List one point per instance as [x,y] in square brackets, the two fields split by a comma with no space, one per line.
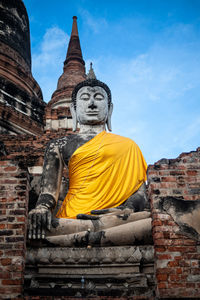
[91,103]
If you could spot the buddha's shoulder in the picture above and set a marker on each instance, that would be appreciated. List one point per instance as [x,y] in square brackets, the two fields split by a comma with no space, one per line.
[120,139]
[69,141]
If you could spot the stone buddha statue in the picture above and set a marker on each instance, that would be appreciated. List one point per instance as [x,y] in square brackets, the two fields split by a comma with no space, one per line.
[105,202]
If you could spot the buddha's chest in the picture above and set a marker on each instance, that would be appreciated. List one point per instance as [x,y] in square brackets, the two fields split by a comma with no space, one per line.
[73,143]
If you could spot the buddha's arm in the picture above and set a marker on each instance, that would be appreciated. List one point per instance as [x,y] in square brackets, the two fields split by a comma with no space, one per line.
[51,177]
[40,217]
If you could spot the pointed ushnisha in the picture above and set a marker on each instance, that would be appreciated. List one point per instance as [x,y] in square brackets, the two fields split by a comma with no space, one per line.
[91,74]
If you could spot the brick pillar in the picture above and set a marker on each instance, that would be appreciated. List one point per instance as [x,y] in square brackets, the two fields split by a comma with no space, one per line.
[177,256]
[14,187]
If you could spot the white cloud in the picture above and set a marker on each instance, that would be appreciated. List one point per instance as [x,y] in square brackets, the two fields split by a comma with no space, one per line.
[48,60]
[94,24]
[51,49]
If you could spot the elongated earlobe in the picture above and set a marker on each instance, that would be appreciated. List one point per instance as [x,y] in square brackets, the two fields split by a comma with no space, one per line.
[108,122]
[74,117]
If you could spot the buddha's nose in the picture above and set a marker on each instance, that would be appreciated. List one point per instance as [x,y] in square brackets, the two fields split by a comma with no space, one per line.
[92,104]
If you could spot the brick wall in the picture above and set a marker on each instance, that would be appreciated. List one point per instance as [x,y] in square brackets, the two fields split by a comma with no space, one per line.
[177,256]
[14,188]
[30,149]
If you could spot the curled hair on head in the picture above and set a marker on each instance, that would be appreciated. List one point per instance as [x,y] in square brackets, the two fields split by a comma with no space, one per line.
[92,83]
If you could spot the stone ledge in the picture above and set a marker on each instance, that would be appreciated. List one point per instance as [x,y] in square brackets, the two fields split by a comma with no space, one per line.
[89,256]
[90,272]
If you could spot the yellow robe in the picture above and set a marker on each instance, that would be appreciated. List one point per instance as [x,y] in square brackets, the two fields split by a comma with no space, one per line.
[103,173]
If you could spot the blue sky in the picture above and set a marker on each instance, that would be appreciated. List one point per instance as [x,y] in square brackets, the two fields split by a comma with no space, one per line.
[148,52]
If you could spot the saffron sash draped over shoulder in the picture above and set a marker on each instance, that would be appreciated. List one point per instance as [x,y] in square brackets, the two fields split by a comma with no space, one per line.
[103,173]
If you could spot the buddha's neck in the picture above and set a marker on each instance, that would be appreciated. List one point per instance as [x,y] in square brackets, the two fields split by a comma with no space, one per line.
[91,129]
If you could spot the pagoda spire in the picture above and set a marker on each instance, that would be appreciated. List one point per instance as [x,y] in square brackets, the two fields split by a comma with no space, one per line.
[74,49]
[91,74]
[74,27]
[73,71]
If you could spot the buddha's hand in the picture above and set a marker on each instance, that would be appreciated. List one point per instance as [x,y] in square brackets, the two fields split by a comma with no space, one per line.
[39,220]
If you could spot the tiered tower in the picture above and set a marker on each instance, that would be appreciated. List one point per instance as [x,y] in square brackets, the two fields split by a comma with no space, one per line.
[58,114]
[21,101]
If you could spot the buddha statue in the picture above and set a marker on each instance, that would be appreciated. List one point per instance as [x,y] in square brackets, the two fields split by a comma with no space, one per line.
[105,202]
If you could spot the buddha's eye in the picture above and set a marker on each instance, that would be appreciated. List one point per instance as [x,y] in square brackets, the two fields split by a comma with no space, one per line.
[98,96]
[85,97]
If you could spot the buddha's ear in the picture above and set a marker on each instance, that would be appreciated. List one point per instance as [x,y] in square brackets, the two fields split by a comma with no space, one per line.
[108,122]
[74,117]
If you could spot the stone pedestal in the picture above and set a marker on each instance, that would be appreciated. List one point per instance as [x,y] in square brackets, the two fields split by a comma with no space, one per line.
[83,272]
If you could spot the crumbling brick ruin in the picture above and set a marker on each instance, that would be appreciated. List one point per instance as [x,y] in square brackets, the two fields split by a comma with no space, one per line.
[174,188]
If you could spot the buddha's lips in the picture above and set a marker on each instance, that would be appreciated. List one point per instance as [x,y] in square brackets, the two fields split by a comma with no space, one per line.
[92,112]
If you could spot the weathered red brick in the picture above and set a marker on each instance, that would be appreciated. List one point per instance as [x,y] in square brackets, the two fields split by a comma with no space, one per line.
[10,169]
[195,263]
[17,212]
[160,248]
[175,285]
[11,282]
[6,261]
[190,285]
[165,271]
[10,289]
[173,235]
[179,271]
[3,163]
[19,245]
[173,263]
[191,172]
[161,217]
[16,226]
[162,285]
[189,242]
[156,223]
[163,242]
[14,239]
[163,256]
[177,249]
[10,181]
[184,263]
[158,235]
[177,242]
[167,185]
[21,219]
[177,172]
[5,275]
[161,277]
[170,223]
[166,235]
[6,232]
[175,277]
[192,256]
[168,179]
[195,271]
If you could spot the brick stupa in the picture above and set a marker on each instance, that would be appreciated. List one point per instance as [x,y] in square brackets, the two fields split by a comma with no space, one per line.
[58,113]
[21,103]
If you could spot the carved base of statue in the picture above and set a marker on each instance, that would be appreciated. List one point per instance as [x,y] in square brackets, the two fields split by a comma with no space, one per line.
[124,271]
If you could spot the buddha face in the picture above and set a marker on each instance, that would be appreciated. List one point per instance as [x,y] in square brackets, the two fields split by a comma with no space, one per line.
[92,105]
